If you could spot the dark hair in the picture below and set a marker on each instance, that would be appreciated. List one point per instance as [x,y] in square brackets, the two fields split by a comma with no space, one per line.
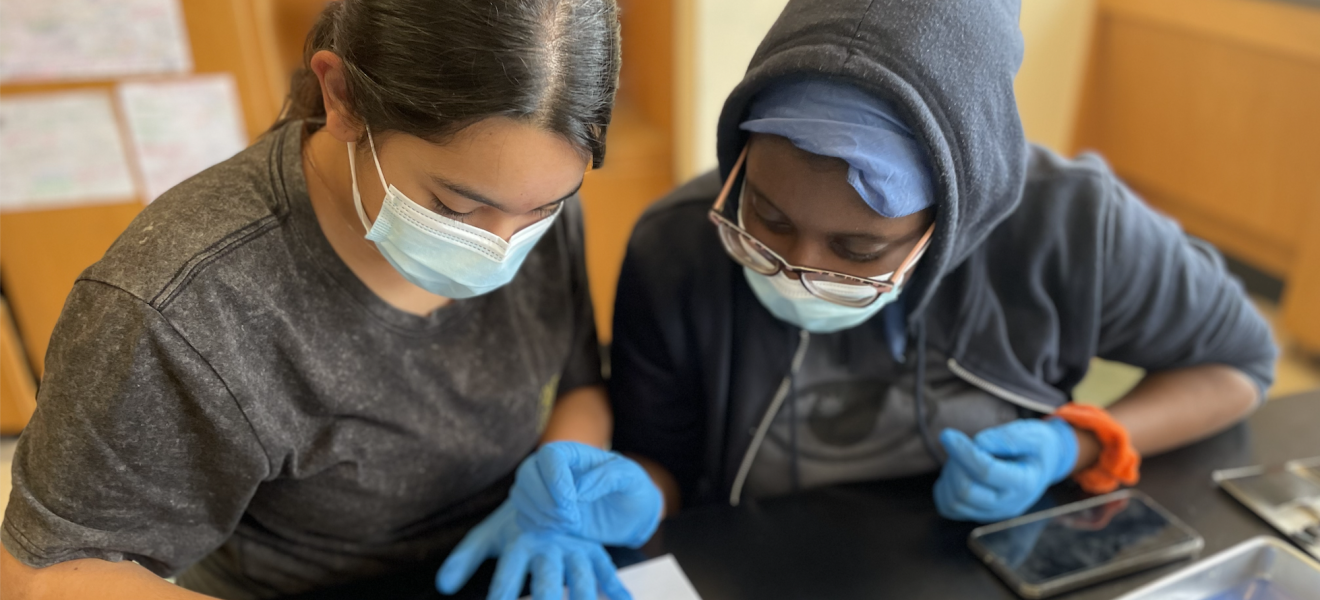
[430,68]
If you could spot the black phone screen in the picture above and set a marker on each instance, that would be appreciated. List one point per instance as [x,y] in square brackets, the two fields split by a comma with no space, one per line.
[1060,544]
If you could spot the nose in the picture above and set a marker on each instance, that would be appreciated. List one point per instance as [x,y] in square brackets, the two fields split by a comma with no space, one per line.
[805,252]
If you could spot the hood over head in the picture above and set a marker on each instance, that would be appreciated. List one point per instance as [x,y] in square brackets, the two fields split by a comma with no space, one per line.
[947,66]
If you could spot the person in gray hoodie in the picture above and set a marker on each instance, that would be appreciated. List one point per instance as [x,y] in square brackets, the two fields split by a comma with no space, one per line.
[884,278]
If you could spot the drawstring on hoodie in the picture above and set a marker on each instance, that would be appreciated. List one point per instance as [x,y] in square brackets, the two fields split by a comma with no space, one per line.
[793,473]
[920,393]
[758,436]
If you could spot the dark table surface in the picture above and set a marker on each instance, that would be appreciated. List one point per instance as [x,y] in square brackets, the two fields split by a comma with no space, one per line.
[885,540]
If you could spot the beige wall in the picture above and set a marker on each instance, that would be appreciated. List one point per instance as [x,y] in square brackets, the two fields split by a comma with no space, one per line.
[726,33]
[1058,33]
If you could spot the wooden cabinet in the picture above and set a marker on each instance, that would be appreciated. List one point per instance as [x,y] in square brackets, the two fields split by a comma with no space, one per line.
[1211,110]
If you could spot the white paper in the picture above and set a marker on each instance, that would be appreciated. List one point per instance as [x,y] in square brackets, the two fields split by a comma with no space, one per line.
[180,127]
[656,579]
[61,149]
[91,39]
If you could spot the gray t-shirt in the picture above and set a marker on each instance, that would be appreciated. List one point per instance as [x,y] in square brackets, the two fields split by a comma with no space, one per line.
[856,415]
[221,388]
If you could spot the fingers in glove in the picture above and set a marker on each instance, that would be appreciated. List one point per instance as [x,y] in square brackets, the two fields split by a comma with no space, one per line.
[965,453]
[510,573]
[478,545]
[1019,439]
[607,577]
[980,465]
[548,575]
[537,505]
[559,464]
[618,475]
[580,576]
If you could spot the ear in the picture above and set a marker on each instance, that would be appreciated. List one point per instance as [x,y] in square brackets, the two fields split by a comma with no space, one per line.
[339,121]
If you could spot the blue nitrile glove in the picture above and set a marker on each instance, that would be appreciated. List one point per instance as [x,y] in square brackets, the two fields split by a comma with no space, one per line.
[1005,470]
[587,492]
[554,560]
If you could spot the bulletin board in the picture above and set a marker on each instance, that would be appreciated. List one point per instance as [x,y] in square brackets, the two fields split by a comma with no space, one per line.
[43,249]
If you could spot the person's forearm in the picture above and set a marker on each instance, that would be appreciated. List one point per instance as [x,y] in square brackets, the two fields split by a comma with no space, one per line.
[86,578]
[581,415]
[1170,409]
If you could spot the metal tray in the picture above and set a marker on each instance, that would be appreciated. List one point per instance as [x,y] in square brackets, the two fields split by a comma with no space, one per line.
[1261,568]
[1286,496]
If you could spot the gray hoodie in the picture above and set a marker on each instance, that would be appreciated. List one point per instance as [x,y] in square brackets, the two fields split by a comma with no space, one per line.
[1038,263]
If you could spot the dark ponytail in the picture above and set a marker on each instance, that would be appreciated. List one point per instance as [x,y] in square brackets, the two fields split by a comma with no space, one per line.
[429,68]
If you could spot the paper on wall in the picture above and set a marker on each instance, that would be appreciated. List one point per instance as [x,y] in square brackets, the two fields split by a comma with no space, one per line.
[179,127]
[656,579]
[61,149]
[91,39]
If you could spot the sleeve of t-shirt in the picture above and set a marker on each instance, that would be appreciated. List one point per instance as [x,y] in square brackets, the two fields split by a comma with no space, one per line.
[583,365]
[137,450]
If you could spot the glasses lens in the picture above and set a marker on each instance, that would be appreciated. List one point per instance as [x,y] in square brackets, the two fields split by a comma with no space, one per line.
[747,251]
[839,290]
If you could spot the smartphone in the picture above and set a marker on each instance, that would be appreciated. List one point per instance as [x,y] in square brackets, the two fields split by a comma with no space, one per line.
[1064,548]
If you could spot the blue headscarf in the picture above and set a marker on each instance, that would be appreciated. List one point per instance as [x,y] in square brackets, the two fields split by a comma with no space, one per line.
[886,163]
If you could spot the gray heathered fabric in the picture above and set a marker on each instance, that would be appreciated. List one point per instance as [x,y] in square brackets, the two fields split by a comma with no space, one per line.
[221,387]
[856,417]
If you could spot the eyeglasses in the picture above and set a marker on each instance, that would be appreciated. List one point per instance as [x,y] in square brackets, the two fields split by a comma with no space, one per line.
[839,288]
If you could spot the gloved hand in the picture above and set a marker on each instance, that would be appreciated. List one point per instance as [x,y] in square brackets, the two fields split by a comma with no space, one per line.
[553,559]
[588,493]
[1005,471]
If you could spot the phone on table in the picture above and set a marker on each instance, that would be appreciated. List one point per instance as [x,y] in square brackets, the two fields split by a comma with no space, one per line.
[1064,548]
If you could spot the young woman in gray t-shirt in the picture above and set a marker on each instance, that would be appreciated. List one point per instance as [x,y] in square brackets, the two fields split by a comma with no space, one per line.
[321,361]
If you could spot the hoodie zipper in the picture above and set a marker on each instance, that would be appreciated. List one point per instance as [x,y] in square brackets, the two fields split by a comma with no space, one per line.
[735,496]
[997,391]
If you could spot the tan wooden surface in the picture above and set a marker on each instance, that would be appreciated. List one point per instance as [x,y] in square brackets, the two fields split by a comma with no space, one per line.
[1211,110]
[639,163]
[1300,312]
[637,171]
[18,389]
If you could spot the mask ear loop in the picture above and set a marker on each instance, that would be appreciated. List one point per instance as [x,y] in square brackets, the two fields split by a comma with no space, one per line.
[352,166]
[375,157]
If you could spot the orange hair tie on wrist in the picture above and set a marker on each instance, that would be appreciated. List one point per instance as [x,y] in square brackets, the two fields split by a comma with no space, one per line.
[1118,463]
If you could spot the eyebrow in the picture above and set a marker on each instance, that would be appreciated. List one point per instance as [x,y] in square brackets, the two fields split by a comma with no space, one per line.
[475,196]
[862,237]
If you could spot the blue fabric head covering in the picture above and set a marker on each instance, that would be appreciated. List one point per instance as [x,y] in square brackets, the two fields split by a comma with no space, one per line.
[886,163]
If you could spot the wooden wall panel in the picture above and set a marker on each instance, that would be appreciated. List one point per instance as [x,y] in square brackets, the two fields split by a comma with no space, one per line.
[648,59]
[18,389]
[225,39]
[1207,127]
[1211,110]
[1300,312]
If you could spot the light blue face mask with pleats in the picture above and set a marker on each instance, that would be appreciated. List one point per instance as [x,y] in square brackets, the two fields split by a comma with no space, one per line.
[436,253]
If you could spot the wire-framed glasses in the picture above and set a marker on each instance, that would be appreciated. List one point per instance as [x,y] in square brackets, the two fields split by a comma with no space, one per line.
[839,288]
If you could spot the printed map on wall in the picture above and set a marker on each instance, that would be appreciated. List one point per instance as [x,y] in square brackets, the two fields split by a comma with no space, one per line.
[91,39]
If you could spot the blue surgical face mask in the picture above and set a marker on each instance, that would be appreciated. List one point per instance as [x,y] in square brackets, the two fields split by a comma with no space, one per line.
[438,254]
[789,301]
